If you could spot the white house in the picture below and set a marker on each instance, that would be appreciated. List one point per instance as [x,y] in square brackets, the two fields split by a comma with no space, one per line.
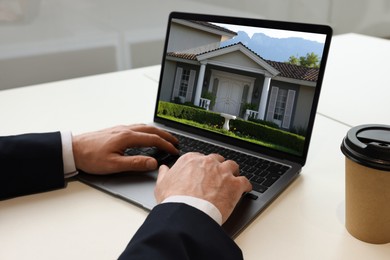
[236,76]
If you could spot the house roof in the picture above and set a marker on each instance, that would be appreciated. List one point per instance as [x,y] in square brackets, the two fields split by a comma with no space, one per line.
[286,70]
[294,71]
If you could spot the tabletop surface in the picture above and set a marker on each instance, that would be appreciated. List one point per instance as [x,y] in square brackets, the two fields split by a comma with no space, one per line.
[356,87]
[305,222]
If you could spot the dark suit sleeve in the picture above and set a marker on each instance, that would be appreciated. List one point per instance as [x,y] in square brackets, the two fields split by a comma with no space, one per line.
[179,231]
[30,163]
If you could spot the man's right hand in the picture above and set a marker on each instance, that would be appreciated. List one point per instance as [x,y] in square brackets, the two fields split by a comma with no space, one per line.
[207,177]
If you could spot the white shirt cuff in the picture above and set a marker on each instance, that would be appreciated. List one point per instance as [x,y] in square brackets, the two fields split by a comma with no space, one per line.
[67,154]
[201,204]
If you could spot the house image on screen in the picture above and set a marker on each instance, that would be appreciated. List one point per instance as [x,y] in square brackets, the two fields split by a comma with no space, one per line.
[233,79]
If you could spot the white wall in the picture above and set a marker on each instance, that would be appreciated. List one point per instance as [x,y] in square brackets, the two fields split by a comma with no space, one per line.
[48,40]
[371,17]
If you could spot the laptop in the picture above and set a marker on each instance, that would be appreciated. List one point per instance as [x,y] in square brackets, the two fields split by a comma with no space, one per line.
[245,88]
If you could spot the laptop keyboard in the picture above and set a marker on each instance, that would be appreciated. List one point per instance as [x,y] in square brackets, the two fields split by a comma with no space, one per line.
[260,172]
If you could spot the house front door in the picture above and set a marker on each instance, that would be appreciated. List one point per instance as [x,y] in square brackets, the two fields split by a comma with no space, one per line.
[229,94]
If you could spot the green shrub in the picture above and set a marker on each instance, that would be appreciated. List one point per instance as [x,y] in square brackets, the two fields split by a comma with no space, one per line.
[267,132]
[196,114]
[263,122]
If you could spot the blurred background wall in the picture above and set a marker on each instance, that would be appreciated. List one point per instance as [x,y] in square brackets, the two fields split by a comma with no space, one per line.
[50,40]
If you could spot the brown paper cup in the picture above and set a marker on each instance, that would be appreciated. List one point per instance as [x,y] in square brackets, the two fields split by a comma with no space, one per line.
[367,183]
[367,201]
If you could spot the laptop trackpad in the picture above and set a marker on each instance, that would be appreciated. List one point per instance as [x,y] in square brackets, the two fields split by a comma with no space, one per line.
[137,188]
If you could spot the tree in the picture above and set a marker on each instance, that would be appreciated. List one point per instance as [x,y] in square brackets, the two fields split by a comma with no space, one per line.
[293,60]
[311,60]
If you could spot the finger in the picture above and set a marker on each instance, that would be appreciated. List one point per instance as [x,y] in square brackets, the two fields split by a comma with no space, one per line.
[154,130]
[135,163]
[140,139]
[232,166]
[118,128]
[217,157]
[244,184]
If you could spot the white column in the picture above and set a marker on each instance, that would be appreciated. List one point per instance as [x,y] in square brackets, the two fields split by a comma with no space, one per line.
[199,85]
[264,97]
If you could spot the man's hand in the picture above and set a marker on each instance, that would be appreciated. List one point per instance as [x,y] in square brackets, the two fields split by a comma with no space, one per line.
[206,177]
[101,152]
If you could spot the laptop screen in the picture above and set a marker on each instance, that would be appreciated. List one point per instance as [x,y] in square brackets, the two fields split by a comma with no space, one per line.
[255,82]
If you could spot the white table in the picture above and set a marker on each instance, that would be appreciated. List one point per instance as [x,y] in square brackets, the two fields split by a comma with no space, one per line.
[305,222]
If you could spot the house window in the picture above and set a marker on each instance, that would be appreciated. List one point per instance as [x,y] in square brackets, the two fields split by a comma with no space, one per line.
[215,86]
[280,107]
[280,104]
[184,84]
[185,77]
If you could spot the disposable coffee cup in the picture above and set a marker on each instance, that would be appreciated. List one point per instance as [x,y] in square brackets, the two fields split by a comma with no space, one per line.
[367,183]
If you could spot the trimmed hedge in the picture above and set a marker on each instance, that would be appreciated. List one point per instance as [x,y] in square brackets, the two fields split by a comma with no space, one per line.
[241,127]
[269,134]
[190,113]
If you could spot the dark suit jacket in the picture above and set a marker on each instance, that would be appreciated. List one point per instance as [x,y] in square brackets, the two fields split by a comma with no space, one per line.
[177,231]
[32,163]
